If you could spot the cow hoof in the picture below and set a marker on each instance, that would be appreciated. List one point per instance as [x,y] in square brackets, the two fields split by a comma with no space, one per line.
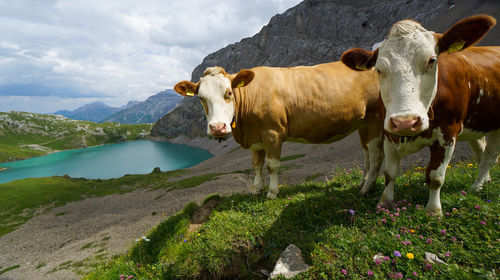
[271,195]
[434,212]
[366,190]
[255,191]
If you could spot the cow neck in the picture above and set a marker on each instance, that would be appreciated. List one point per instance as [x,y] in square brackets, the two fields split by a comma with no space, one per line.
[237,98]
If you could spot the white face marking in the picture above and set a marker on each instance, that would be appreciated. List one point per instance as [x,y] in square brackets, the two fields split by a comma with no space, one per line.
[469,85]
[212,90]
[408,82]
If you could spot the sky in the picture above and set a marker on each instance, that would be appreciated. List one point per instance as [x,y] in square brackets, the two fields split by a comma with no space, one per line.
[62,54]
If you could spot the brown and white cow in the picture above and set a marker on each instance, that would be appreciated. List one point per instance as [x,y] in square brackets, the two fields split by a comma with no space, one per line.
[435,90]
[264,106]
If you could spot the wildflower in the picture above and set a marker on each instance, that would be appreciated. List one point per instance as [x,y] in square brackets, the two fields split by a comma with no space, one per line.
[429,241]
[428,266]
[477,207]
[447,254]
[421,236]
[142,238]
[417,206]
[483,223]
[351,212]
[130,277]
[397,254]
[470,164]
[443,231]
[386,258]
[447,214]
[399,275]
[406,243]
[185,240]
[370,273]
[454,239]
[377,261]
[403,208]
[344,271]
[383,221]
[410,256]
[398,236]
[122,276]
[488,200]
[414,273]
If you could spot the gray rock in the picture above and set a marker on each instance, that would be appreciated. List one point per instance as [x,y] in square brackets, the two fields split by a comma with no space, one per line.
[433,258]
[290,263]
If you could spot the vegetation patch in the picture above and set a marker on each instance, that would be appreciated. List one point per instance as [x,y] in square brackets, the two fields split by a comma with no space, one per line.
[188,182]
[9,269]
[291,157]
[338,231]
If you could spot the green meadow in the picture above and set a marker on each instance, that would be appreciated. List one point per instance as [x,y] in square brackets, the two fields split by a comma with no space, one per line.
[338,231]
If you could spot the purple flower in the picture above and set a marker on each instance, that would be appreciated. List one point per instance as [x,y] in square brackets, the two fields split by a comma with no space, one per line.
[429,241]
[406,242]
[397,254]
[488,200]
[351,212]
[399,275]
[398,236]
[447,214]
[428,266]
[185,240]
[377,261]
[447,254]
[130,277]
[443,231]
[454,239]
[414,273]
[383,221]
[463,192]
[370,273]
[396,214]
[421,236]
[483,223]
[386,258]
[477,207]
[344,271]
[403,208]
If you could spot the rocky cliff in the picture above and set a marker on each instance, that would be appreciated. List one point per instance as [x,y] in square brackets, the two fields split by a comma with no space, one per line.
[317,31]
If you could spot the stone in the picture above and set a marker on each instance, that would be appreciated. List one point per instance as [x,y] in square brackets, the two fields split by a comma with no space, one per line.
[290,263]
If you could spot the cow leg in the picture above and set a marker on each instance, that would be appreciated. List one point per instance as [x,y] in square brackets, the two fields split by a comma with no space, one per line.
[257,163]
[272,145]
[488,160]
[435,174]
[392,160]
[376,156]
[363,137]
[478,146]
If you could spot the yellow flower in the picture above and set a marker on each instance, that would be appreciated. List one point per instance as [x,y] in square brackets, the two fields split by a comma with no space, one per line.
[410,256]
[412,231]
[448,166]
[470,164]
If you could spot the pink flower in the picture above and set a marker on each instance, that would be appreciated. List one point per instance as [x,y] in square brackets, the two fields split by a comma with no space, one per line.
[386,258]
[447,254]
[344,271]
[406,242]
[477,207]
[428,266]
[463,192]
[403,208]
[483,223]
[383,221]
[398,236]
[414,273]
[454,239]
[421,236]
[396,214]
[429,241]
[443,231]
[370,273]
[377,261]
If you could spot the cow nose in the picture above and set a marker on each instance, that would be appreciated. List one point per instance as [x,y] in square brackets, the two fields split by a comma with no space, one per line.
[218,129]
[406,125]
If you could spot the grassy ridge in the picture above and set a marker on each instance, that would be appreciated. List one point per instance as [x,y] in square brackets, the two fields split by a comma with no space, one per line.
[338,232]
[20,200]
[24,135]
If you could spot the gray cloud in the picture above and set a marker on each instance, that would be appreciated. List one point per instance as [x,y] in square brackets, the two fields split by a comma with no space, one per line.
[113,50]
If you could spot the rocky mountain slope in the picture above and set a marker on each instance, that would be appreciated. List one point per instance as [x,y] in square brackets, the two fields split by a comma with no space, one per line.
[148,111]
[24,135]
[93,112]
[317,31]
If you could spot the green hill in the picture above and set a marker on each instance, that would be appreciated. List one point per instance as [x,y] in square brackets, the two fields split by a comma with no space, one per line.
[24,135]
[243,235]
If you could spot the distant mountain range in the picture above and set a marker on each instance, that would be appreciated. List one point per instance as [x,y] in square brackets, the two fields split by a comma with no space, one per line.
[134,112]
[148,111]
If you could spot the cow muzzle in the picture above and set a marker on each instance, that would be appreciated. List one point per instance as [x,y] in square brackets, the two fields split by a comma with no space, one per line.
[407,125]
[218,130]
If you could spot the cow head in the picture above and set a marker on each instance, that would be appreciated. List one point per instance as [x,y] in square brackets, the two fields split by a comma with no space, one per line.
[215,91]
[408,70]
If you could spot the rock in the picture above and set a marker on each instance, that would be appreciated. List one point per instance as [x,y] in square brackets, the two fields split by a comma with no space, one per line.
[290,263]
[156,170]
[432,258]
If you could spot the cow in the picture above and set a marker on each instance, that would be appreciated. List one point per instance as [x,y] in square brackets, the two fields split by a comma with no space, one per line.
[436,89]
[264,106]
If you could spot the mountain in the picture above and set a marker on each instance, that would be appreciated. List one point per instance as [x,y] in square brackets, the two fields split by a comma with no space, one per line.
[318,31]
[93,112]
[24,135]
[148,111]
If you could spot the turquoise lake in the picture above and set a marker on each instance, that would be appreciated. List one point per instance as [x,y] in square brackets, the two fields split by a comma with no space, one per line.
[108,161]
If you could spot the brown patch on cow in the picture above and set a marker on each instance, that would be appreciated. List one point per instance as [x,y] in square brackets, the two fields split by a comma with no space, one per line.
[437,158]
[469,31]
[201,215]
[185,87]
[359,59]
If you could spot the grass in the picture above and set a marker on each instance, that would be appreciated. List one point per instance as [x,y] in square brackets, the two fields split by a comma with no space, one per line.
[9,269]
[246,234]
[291,157]
[20,200]
[188,182]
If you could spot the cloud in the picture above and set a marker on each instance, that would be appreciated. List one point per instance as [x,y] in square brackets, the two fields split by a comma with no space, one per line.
[114,50]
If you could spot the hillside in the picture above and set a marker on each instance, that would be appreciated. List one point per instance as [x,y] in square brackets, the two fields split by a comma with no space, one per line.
[317,31]
[148,111]
[24,135]
[93,112]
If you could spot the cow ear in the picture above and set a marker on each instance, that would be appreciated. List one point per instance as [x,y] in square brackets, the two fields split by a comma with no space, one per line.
[359,59]
[465,33]
[186,88]
[243,78]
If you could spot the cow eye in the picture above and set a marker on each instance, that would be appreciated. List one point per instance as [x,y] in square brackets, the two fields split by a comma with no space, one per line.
[378,70]
[432,60]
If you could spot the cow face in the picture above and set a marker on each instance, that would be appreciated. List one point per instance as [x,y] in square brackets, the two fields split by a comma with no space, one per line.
[215,92]
[408,70]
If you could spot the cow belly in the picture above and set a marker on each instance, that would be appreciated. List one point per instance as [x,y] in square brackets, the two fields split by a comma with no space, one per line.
[469,134]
